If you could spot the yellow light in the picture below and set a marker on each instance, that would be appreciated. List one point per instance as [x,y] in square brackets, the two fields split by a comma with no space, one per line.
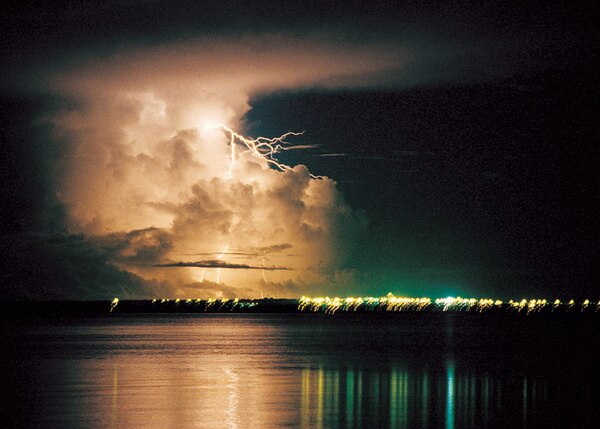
[392,303]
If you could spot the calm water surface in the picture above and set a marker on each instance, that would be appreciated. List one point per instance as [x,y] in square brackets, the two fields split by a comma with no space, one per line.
[294,370]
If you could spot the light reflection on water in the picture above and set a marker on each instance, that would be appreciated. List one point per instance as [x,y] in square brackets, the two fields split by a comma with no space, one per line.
[450,396]
[397,399]
[266,371]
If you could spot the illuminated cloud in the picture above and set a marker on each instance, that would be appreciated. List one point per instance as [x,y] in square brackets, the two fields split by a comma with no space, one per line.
[252,251]
[105,143]
[148,180]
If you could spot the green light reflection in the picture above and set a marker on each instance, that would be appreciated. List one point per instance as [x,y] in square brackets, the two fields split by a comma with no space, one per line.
[450,396]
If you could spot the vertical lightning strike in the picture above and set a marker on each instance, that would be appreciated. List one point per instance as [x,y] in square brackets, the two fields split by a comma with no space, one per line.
[221,257]
[262,147]
[263,271]
[232,144]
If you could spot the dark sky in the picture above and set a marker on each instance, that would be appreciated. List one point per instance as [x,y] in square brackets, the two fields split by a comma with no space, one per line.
[475,164]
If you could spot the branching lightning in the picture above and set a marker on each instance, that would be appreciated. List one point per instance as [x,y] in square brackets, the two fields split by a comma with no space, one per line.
[262,147]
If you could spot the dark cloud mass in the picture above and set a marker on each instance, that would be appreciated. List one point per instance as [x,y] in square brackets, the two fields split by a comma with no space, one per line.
[61,266]
[217,263]
[441,40]
[458,141]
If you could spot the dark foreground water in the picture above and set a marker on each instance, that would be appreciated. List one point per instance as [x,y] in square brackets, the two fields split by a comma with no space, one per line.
[301,370]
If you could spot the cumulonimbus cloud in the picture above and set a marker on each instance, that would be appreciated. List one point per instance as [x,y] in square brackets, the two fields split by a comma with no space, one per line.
[145,178]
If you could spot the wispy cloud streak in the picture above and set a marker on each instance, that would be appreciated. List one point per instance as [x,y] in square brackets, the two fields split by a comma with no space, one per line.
[217,263]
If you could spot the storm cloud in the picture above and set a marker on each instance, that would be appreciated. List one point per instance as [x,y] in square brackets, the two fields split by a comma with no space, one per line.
[110,167]
[143,180]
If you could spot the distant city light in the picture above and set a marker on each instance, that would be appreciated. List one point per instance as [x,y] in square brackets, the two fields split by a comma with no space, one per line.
[392,303]
[114,304]
[360,304]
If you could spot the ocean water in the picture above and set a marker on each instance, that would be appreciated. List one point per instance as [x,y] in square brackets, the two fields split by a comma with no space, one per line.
[301,370]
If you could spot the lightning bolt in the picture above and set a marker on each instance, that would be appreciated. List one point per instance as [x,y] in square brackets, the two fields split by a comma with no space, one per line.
[232,144]
[263,271]
[221,257]
[262,147]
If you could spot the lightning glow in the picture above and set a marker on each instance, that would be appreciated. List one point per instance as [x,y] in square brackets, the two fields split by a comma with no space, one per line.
[221,257]
[178,176]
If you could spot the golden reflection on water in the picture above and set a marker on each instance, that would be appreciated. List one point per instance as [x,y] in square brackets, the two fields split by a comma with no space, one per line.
[115,396]
[232,398]
[208,381]
[231,395]
[238,373]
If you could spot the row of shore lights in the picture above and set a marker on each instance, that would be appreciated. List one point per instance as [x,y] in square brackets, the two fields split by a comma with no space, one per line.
[392,303]
[397,303]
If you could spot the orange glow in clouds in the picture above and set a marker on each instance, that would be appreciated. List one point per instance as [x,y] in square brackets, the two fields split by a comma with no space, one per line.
[146,179]
[196,195]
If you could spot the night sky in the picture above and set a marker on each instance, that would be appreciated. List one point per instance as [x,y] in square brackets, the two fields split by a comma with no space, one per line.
[462,138]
